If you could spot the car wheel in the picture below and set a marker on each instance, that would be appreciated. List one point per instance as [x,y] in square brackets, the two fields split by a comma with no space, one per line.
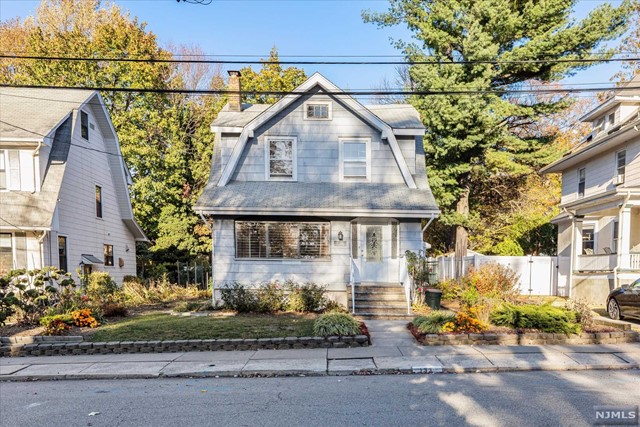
[614,310]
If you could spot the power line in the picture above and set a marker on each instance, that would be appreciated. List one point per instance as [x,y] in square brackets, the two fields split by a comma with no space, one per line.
[500,92]
[286,62]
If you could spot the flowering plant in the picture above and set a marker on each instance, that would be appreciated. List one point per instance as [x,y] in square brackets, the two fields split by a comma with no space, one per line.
[84,317]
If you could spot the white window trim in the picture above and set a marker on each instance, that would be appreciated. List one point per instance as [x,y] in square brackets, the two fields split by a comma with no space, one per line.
[614,227]
[615,161]
[594,225]
[578,196]
[7,173]
[95,210]
[294,151]
[329,105]
[341,159]
[80,113]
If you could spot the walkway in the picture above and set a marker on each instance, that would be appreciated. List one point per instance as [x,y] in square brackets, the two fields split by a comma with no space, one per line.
[392,351]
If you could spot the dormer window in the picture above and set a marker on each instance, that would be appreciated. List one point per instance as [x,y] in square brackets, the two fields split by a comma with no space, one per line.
[317,110]
[611,119]
[598,125]
[84,125]
[281,158]
[582,178]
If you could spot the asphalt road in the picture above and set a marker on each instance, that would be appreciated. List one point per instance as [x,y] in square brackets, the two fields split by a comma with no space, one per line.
[502,399]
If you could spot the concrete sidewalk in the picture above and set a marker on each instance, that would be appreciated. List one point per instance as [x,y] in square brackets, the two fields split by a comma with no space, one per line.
[393,350]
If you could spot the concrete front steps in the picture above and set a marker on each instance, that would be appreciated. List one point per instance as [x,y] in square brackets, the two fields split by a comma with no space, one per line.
[379,301]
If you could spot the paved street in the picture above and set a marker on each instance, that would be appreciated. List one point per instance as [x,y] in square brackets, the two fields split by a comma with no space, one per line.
[495,399]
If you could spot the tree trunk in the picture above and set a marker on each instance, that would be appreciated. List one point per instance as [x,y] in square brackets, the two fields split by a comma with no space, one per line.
[462,208]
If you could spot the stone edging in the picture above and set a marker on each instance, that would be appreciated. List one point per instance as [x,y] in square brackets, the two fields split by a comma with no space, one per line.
[59,347]
[529,338]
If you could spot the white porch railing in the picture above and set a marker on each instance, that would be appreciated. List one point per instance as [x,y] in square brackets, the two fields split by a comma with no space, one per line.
[354,276]
[604,262]
[406,281]
[634,261]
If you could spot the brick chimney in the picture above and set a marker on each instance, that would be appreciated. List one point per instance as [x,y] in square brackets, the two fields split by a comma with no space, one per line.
[235,99]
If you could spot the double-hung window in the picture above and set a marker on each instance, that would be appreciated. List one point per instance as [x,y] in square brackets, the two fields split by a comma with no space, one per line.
[354,159]
[588,239]
[582,178]
[281,158]
[6,252]
[84,125]
[108,255]
[614,239]
[621,163]
[98,201]
[3,170]
[282,240]
[62,253]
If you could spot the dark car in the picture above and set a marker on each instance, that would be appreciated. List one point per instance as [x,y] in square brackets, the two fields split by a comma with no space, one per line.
[624,301]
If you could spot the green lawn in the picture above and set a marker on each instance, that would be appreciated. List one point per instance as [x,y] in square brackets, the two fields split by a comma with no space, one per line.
[166,327]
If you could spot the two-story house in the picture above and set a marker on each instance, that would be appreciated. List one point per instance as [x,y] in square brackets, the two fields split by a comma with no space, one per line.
[599,226]
[316,188]
[64,198]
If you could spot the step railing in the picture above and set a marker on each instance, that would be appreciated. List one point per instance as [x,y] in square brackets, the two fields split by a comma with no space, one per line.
[354,275]
[406,281]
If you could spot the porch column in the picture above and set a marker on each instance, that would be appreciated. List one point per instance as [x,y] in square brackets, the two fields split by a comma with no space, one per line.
[576,245]
[624,238]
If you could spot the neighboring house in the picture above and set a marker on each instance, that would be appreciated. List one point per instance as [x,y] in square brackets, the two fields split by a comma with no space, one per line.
[64,199]
[599,226]
[316,188]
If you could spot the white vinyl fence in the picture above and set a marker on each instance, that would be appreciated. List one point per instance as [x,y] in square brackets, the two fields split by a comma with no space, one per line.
[539,275]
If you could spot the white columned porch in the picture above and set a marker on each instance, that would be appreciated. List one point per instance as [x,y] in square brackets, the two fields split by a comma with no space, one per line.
[624,238]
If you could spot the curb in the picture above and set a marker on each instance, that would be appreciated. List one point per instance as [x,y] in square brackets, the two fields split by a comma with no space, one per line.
[300,373]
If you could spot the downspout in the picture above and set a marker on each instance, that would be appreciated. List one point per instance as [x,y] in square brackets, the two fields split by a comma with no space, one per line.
[433,216]
[616,269]
[41,245]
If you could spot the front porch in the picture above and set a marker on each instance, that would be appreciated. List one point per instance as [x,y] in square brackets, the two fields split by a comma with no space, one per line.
[608,262]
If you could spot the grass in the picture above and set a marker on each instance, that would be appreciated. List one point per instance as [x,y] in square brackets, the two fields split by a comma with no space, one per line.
[166,327]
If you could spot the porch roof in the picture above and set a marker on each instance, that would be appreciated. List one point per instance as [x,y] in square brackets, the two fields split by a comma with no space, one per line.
[325,198]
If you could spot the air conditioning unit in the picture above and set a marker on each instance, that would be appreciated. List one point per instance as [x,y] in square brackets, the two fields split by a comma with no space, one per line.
[620,179]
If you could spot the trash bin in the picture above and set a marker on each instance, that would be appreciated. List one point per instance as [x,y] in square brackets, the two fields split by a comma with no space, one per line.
[433,297]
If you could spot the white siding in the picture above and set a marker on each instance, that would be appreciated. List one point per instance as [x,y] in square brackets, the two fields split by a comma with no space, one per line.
[601,172]
[86,234]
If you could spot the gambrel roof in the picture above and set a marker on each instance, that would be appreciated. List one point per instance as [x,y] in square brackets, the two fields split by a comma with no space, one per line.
[411,199]
[34,116]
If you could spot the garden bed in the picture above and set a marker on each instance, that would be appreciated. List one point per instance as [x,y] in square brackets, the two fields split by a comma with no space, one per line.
[515,337]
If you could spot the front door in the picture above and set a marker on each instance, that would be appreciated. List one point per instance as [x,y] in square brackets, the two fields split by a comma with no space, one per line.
[375,260]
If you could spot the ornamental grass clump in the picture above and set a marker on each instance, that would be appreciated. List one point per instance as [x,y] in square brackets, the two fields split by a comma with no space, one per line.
[433,322]
[545,318]
[332,324]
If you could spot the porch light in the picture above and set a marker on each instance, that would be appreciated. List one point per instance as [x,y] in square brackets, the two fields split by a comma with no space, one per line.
[340,236]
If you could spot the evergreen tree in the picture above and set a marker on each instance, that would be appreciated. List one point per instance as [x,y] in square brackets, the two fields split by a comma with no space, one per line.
[473,139]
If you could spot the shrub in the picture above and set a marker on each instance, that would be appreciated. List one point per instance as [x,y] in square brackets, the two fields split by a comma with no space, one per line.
[57,324]
[101,289]
[583,312]
[494,280]
[469,297]
[331,324]
[306,298]
[451,289]
[193,306]
[113,309]
[464,323]
[237,297]
[84,318]
[432,323]
[541,317]
[271,298]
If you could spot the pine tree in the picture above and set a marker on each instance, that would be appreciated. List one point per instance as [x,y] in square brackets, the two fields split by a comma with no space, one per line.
[474,138]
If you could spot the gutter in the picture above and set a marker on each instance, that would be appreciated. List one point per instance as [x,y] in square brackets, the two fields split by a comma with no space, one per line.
[34,155]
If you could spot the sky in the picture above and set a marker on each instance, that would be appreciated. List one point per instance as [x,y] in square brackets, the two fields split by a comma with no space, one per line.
[295,27]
